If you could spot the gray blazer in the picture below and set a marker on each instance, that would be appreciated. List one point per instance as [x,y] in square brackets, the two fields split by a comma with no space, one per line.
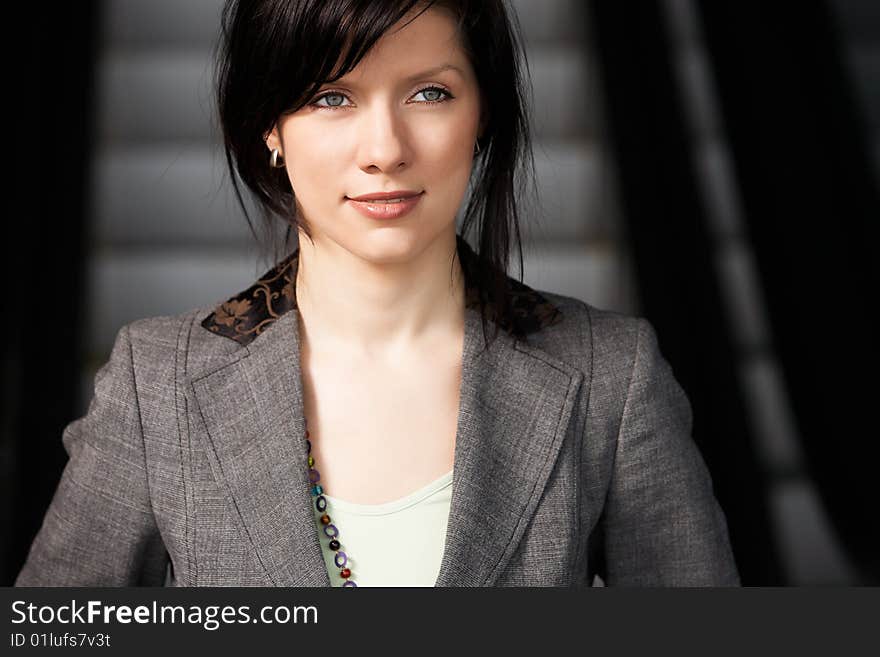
[573,456]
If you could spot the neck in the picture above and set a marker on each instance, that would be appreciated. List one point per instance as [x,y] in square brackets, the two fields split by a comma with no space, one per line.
[349,305]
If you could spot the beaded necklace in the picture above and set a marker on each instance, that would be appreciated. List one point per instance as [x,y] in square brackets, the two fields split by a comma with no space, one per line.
[340,558]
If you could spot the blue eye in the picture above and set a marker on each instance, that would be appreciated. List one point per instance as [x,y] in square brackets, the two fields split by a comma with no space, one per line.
[333,94]
[431,92]
[434,91]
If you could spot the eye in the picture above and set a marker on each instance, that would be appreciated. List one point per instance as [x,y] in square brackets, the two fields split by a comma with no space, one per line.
[433,94]
[332,94]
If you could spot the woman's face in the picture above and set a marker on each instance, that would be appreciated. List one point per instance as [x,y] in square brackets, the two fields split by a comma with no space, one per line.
[376,130]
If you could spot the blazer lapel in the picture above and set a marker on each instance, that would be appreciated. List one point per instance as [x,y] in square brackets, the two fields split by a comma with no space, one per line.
[516,402]
[515,406]
[253,412]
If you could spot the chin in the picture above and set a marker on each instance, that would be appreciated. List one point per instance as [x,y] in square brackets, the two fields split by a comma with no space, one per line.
[390,245]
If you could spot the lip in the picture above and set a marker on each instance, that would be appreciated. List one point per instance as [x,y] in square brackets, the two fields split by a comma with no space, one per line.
[375,210]
[384,196]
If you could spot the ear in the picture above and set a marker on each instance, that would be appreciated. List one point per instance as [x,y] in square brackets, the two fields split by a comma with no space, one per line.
[273,140]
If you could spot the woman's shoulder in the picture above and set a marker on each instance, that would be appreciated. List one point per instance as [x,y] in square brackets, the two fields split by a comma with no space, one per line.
[586,331]
[175,339]
[232,315]
[621,355]
[165,331]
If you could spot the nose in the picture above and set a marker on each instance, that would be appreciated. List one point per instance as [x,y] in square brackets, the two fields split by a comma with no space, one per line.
[383,140]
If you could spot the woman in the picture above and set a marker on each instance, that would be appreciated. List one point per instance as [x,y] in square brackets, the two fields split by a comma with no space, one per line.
[383,407]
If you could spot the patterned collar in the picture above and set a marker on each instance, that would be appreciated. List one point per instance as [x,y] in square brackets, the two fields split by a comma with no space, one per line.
[246,315]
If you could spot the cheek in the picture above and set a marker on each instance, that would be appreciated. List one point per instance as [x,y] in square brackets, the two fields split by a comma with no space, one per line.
[451,141]
[449,151]
[311,170]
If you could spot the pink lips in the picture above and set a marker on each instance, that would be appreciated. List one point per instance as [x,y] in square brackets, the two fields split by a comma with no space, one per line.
[378,210]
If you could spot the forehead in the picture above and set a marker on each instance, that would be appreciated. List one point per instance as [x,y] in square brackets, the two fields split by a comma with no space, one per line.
[428,44]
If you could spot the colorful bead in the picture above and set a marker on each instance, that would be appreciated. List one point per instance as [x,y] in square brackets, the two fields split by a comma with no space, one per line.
[330,530]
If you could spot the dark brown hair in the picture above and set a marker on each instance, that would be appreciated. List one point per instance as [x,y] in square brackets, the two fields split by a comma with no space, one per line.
[266,66]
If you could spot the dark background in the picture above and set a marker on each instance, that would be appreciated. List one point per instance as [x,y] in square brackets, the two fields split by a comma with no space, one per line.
[729,153]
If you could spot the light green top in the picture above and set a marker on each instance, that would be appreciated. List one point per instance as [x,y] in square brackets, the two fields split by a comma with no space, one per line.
[398,543]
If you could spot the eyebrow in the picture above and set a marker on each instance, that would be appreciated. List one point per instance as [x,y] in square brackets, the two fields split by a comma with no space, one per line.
[422,74]
[435,70]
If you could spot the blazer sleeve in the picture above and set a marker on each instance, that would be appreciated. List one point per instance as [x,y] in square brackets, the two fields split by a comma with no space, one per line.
[662,525]
[100,529]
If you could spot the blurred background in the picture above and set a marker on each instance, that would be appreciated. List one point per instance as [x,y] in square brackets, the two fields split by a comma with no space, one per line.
[712,167]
